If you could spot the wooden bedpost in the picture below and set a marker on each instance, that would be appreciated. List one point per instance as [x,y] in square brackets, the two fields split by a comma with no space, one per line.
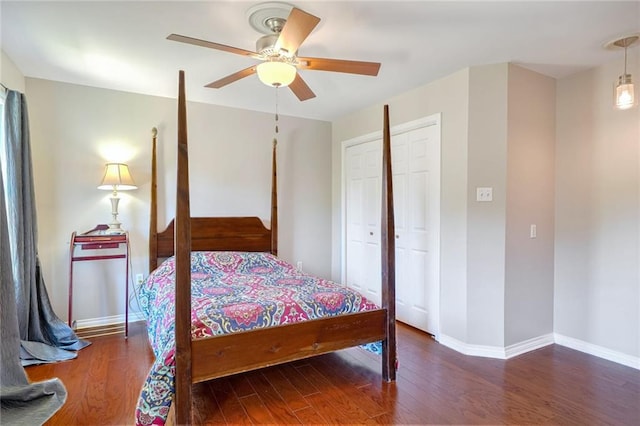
[274,200]
[183,270]
[388,256]
[153,219]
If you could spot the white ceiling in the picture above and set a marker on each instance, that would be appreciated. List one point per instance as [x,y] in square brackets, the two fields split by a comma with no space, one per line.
[121,45]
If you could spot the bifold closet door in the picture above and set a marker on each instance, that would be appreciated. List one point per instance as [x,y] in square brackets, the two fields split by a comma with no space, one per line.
[416,181]
[363,199]
[416,172]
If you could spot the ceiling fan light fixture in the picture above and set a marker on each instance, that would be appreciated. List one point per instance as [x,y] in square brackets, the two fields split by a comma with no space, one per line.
[276,74]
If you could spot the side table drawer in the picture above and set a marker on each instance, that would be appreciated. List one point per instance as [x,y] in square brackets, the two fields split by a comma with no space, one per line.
[97,246]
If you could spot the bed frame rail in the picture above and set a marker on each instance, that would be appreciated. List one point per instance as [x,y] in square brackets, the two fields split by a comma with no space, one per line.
[277,345]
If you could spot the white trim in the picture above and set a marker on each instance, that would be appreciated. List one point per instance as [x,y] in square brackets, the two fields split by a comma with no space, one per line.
[115,319]
[473,350]
[537,343]
[431,120]
[599,351]
[528,345]
[497,351]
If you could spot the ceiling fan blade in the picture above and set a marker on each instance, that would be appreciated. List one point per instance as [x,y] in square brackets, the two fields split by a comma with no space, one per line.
[339,65]
[212,45]
[298,26]
[233,77]
[300,89]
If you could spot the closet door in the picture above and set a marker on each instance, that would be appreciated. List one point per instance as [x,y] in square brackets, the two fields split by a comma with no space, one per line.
[416,183]
[362,204]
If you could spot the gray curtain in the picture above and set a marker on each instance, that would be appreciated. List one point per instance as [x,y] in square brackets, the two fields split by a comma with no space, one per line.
[45,338]
[31,331]
[21,402]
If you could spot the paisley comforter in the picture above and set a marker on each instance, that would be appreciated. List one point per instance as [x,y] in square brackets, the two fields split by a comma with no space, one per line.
[230,291]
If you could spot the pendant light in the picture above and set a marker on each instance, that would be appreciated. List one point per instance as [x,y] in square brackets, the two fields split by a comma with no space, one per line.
[624,91]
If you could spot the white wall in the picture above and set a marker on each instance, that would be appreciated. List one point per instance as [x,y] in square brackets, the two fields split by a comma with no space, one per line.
[487,167]
[511,149]
[76,129]
[10,75]
[597,244]
[530,179]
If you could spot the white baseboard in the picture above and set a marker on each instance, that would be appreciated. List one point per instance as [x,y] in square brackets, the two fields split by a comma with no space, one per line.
[529,345]
[599,351]
[536,343]
[473,350]
[497,352]
[103,321]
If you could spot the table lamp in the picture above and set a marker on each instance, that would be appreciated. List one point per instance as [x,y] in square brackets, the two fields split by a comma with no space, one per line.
[116,178]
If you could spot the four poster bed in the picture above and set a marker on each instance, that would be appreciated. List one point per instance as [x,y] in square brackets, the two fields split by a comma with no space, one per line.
[236,306]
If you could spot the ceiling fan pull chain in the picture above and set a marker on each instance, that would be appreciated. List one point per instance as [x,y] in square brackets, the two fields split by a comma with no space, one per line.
[276,110]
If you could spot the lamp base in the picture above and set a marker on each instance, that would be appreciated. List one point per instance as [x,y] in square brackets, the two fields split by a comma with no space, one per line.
[114,226]
[114,229]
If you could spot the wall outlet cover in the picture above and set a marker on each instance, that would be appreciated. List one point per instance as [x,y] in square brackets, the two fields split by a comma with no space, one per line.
[484,194]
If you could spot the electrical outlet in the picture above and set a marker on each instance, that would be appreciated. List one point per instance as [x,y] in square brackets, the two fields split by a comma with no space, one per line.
[139,279]
[299,265]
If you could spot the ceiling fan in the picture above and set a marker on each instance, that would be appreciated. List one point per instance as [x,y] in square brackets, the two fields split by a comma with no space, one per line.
[286,27]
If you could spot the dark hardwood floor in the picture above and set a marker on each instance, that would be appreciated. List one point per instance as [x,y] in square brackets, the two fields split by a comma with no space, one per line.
[436,385]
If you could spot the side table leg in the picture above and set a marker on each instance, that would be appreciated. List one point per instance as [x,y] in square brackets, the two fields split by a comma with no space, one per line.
[71,247]
[126,292]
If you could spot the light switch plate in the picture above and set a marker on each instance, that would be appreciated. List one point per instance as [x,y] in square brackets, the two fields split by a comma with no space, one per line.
[484,194]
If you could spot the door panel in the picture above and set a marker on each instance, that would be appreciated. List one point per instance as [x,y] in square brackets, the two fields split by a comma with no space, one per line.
[416,185]
[363,219]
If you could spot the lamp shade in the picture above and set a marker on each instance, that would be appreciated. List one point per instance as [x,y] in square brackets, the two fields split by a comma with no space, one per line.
[117,176]
[625,93]
[274,73]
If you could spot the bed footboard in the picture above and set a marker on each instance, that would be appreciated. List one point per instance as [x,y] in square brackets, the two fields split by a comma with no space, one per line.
[224,355]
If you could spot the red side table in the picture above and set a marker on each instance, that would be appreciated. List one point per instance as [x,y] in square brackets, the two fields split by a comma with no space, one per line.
[97,239]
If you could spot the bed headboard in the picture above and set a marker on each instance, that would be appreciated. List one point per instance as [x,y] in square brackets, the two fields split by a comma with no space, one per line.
[213,233]
[219,233]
